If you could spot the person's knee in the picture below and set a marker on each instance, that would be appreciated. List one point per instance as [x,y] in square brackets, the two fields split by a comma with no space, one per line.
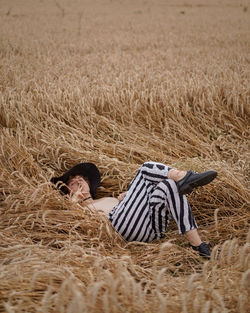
[169,185]
[148,164]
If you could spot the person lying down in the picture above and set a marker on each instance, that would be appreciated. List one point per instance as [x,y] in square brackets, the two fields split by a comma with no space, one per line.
[142,213]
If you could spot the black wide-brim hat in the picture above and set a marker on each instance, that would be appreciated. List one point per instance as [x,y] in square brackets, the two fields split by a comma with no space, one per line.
[88,170]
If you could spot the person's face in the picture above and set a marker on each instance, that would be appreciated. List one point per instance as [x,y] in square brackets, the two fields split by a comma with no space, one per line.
[78,185]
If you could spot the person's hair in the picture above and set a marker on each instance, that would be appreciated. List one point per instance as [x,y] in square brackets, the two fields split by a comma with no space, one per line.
[84,177]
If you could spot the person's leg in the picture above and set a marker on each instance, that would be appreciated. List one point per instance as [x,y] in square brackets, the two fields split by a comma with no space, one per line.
[176,174]
[187,181]
[193,237]
[131,217]
[154,172]
[166,202]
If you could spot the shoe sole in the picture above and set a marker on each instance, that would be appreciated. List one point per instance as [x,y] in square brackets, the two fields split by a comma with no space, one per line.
[201,181]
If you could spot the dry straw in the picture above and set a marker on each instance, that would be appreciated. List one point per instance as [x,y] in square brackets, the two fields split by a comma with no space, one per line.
[123,84]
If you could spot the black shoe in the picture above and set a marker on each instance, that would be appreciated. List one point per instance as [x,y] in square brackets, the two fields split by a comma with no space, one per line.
[203,249]
[192,180]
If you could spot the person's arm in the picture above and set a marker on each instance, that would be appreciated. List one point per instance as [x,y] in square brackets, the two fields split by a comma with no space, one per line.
[121,196]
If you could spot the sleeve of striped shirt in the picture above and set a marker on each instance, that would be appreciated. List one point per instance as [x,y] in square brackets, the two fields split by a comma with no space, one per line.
[154,172]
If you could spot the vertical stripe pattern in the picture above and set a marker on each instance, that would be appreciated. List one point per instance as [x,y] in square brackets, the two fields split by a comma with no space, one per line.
[150,201]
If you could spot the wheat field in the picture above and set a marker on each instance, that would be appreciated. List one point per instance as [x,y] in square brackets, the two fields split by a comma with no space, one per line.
[118,83]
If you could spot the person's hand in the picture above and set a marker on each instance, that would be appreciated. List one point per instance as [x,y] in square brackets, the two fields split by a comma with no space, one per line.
[121,196]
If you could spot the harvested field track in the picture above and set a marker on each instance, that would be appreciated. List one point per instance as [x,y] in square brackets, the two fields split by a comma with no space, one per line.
[119,83]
